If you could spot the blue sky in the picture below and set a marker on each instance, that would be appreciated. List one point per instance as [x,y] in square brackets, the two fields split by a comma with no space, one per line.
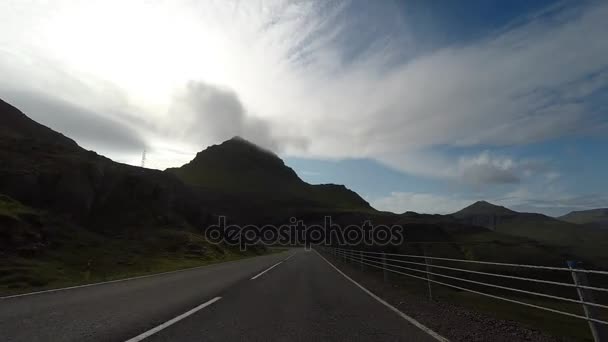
[417,105]
[574,178]
[574,166]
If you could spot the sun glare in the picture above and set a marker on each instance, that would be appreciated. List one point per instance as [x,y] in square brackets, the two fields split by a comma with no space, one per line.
[147,50]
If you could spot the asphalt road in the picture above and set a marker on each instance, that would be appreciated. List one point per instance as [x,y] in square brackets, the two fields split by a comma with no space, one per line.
[302,298]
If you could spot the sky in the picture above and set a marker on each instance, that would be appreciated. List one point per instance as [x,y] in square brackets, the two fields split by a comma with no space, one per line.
[418,105]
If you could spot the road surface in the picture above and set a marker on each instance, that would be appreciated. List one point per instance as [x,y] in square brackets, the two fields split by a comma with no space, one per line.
[292,296]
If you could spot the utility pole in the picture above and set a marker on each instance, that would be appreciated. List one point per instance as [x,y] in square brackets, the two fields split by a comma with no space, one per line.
[143,159]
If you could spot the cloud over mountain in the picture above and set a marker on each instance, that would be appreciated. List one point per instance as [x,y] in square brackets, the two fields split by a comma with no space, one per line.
[207,114]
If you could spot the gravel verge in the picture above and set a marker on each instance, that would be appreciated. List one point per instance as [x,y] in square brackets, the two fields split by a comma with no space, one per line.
[452,321]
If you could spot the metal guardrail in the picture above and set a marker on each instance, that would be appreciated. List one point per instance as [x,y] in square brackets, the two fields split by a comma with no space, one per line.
[395,263]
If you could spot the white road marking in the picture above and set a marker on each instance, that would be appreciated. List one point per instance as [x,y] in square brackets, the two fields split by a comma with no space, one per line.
[172,321]
[394,309]
[266,270]
[289,257]
[121,280]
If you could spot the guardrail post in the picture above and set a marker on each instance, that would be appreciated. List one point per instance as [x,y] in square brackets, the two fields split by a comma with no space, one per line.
[598,331]
[429,262]
[384,270]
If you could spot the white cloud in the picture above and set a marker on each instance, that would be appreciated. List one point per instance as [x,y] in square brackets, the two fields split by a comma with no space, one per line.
[477,169]
[206,114]
[552,176]
[291,68]
[552,201]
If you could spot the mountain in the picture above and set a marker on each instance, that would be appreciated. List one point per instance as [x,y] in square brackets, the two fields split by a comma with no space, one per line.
[593,218]
[44,169]
[485,214]
[484,208]
[17,127]
[63,209]
[505,220]
[239,167]
[577,239]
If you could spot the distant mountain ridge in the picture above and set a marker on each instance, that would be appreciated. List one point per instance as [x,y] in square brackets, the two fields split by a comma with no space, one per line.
[485,214]
[593,217]
[530,225]
[483,207]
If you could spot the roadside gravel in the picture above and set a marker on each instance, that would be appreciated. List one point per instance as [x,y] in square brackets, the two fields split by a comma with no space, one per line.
[449,320]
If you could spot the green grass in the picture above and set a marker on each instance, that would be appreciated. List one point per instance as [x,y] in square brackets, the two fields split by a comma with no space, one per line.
[90,258]
[53,254]
[10,207]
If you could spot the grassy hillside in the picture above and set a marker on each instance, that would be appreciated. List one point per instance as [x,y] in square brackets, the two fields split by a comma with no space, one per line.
[568,240]
[40,251]
[594,218]
[12,209]
[445,236]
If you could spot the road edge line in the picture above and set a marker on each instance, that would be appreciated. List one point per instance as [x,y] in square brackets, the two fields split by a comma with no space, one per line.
[172,321]
[385,303]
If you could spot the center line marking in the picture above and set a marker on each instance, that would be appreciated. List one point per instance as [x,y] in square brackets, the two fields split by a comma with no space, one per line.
[290,257]
[266,270]
[172,321]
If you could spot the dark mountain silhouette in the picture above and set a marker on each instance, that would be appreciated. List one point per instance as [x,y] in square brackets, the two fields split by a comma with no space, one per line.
[484,214]
[597,218]
[483,208]
[238,166]
[47,170]
[17,127]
